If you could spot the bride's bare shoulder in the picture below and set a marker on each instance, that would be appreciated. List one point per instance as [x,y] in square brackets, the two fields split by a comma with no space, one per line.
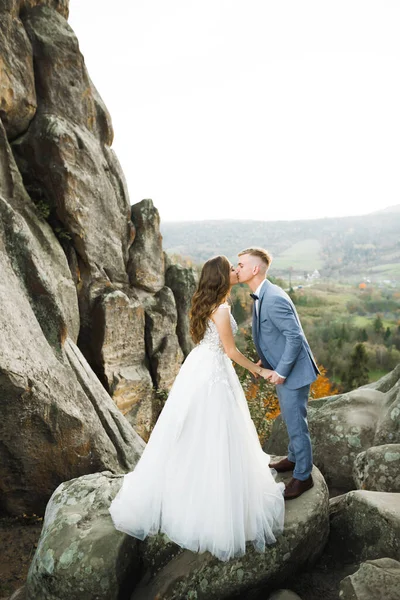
[221,314]
[223,305]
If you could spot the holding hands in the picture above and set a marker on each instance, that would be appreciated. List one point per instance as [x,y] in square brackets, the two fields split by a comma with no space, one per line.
[269,375]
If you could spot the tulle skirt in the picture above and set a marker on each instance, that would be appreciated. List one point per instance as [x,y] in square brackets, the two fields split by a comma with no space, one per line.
[203,478]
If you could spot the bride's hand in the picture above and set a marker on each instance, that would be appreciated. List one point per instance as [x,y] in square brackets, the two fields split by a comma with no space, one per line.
[266,373]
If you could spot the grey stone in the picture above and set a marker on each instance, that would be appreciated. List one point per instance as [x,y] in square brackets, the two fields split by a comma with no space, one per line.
[374,580]
[80,554]
[17,86]
[61,6]
[388,427]
[80,183]
[146,264]
[119,356]
[163,350]
[378,468]
[57,421]
[364,525]
[182,281]
[63,86]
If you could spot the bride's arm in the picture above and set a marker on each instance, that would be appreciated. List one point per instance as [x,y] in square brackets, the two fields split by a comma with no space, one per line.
[222,321]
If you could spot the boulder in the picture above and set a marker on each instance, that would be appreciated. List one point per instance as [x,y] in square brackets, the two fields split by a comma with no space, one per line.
[365,525]
[162,345]
[79,186]
[80,554]
[34,254]
[182,281]
[378,468]
[119,356]
[375,580]
[61,6]
[172,573]
[17,85]
[63,86]
[388,427]
[344,426]
[146,264]
[79,195]
[341,429]
[57,421]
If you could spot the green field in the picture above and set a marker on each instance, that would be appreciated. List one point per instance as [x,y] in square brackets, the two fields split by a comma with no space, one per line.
[303,256]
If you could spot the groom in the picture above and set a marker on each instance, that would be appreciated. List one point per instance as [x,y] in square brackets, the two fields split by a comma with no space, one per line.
[283,348]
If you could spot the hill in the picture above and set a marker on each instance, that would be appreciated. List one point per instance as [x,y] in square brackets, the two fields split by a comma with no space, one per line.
[389,209]
[350,247]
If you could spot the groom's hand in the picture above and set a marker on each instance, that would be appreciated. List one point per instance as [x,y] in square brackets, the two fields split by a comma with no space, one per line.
[275,378]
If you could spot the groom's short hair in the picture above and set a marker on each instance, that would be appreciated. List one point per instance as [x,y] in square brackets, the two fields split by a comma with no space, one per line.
[260,252]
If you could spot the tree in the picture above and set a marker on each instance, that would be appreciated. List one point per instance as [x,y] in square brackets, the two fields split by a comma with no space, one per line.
[357,373]
[378,324]
[362,335]
[387,334]
[239,311]
[322,387]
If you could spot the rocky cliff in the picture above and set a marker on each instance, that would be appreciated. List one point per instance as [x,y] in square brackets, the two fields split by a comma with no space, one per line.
[89,331]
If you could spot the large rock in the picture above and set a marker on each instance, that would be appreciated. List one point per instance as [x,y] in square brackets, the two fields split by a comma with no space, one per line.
[365,525]
[84,191]
[80,554]
[374,580]
[17,86]
[343,426]
[388,426]
[146,264]
[172,574]
[182,281]
[57,421]
[162,343]
[378,468]
[35,255]
[79,192]
[119,357]
[61,6]
[79,186]
[62,83]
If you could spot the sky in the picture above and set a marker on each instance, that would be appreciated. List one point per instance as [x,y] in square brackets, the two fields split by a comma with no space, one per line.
[250,109]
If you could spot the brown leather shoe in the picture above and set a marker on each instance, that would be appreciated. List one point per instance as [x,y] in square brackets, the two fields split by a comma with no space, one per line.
[283,465]
[296,487]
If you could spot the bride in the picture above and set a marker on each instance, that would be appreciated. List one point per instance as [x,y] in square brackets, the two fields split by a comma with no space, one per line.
[203,478]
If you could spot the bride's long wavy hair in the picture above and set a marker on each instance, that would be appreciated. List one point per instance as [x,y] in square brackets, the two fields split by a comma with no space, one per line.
[213,288]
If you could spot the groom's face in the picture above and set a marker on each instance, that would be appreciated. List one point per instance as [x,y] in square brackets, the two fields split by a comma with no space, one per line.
[246,268]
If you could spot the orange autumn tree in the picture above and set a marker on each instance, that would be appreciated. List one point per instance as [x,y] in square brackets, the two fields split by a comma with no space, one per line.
[322,386]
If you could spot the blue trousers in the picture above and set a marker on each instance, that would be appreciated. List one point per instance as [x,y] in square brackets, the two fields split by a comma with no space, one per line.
[293,404]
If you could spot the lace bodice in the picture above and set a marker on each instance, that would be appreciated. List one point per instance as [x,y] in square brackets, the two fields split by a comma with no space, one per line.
[211,337]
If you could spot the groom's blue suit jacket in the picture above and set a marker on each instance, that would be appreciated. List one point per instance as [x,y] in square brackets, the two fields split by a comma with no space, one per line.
[280,340]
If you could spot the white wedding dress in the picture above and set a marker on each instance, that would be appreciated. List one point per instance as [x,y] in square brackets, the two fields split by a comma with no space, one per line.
[203,478]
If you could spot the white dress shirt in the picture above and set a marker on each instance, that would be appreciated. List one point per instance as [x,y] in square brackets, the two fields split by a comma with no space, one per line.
[257,293]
